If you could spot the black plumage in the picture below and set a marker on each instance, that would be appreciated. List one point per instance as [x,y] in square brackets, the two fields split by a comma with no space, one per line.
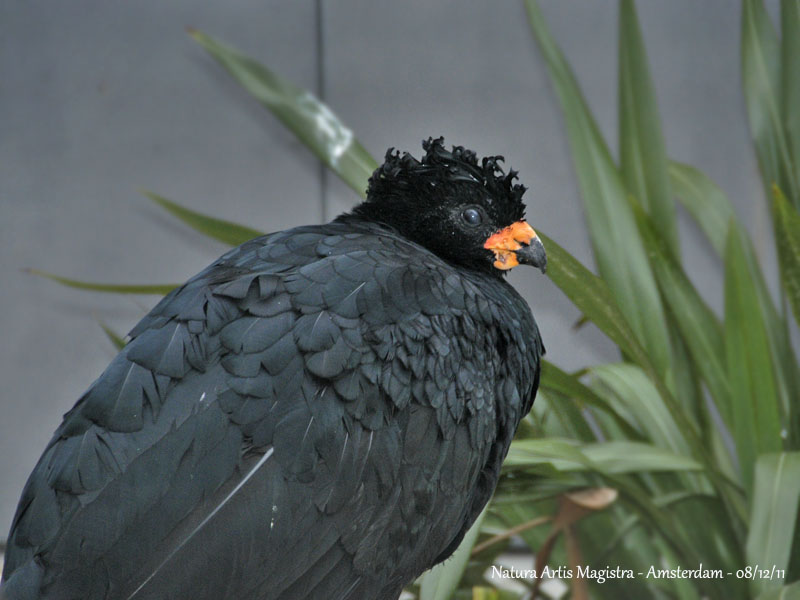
[321,413]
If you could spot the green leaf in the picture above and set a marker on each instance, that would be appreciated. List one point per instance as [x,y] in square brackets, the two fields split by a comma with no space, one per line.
[701,333]
[485,593]
[774,514]
[611,458]
[116,339]
[591,296]
[442,580]
[787,233]
[218,229]
[557,415]
[713,212]
[635,457]
[643,158]
[790,82]
[787,592]
[783,354]
[308,118]
[612,461]
[632,394]
[617,246]
[563,454]
[761,79]
[160,289]
[698,325]
[556,380]
[755,405]
[704,200]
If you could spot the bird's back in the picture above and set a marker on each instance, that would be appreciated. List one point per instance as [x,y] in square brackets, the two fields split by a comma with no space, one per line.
[322,413]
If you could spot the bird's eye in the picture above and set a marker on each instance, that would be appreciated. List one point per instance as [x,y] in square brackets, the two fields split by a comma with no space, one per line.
[472,216]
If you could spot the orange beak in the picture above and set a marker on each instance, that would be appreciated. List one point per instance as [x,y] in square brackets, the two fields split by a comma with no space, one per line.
[515,245]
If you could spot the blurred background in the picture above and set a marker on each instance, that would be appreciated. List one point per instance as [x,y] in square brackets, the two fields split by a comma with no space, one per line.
[99,100]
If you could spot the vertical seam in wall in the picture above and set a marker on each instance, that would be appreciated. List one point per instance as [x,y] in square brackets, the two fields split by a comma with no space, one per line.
[320,47]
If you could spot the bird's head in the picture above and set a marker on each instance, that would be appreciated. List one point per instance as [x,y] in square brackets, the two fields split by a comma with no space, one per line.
[465,211]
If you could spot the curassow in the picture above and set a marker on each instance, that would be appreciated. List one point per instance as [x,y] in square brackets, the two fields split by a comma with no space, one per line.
[321,413]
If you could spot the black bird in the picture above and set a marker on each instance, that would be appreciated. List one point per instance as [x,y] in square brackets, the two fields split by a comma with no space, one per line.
[321,413]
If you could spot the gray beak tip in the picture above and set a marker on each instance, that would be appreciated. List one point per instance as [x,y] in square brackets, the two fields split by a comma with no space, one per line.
[533,255]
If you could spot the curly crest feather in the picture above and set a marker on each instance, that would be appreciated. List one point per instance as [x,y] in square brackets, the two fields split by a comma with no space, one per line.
[441,166]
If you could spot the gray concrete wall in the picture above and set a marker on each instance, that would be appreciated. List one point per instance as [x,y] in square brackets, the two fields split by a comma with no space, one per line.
[99,99]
